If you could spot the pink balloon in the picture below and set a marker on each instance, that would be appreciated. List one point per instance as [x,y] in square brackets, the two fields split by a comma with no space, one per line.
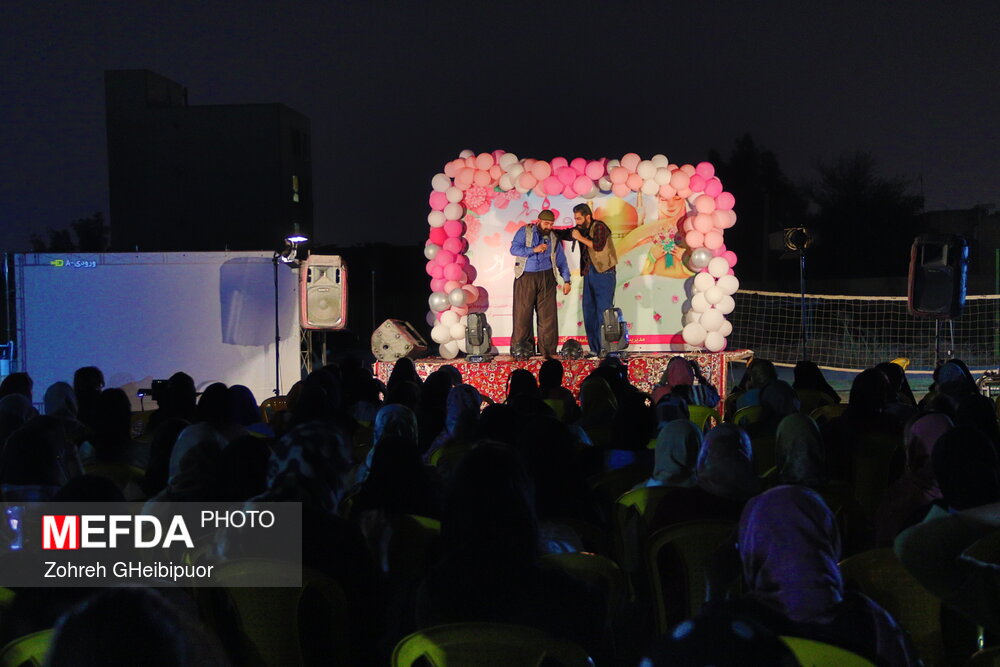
[461,311]
[553,185]
[453,228]
[578,164]
[559,162]
[719,218]
[725,201]
[634,182]
[471,294]
[566,175]
[481,178]
[705,170]
[496,171]
[688,224]
[462,260]
[730,257]
[618,175]
[582,185]
[704,223]
[679,180]
[451,168]
[631,161]
[438,236]
[540,188]
[667,191]
[496,155]
[454,272]
[455,245]
[713,240]
[697,184]
[620,190]
[684,193]
[438,200]
[688,169]
[436,271]
[594,170]
[465,178]
[451,284]
[693,239]
[484,161]
[527,181]
[541,170]
[437,284]
[713,187]
[430,267]
[704,203]
[444,258]
[569,192]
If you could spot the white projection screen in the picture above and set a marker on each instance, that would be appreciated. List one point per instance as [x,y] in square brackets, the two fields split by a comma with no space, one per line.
[144,316]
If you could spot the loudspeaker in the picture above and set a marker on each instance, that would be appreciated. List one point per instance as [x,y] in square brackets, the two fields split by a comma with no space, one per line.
[395,339]
[939,269]
[323,292]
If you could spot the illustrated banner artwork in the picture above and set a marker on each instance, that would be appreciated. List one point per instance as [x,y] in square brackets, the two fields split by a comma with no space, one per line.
[674,278]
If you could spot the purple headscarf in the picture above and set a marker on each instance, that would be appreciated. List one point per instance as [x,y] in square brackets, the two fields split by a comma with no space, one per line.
[789,547]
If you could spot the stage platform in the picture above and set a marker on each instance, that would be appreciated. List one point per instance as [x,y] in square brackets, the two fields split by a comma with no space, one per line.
[644,369]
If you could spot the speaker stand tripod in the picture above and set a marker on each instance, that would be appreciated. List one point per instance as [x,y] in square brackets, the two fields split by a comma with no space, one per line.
[937,341]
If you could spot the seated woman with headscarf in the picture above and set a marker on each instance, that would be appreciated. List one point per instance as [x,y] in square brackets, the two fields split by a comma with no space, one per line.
[491,569]
[558,397]
[598,406]
[725,480]
[812,388]
[390,421]
[777,401]
[60,402]
[676,455]
[36,460]
[789,548]
[758,374]
[901,403]
[461,423]
[683,372]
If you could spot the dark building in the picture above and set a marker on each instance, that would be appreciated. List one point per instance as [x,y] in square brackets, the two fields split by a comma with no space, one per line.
[209,177]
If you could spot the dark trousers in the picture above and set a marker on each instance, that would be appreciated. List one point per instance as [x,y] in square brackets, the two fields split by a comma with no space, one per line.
[535,291]
[598,296]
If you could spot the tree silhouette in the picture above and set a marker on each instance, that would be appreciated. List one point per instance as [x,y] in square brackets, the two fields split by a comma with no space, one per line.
[91,236]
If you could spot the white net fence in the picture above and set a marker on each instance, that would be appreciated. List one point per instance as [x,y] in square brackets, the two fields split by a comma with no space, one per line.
[857,332]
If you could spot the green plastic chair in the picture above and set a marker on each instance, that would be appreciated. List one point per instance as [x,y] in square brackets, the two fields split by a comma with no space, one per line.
[487,645]
[629,523]
[27,651]
[812,653]
[748,415]
[703,416]
[268,620]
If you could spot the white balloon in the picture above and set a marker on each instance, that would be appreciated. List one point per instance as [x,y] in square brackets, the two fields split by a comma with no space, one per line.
[726,328]
[449,350]
[646,169]
[431,318]
[462,347]
[611,165]
[449,318]
[715,342]
[456,297]
[604,184]
[436,219]
[455,211]
[703,281]
[457,331]
[438,301]
[729,284]
[466,153]
[714,295]
[693,334]
[440,182]
[718,267]
[515,170]
[650,187]
[662,176]
[454,195]
[507,160]
[594,192]
[463,320]
[699,304]
[659,160]
[727,305]
[712,320]
[439,334]
[505,182]
[431,250]
[690,316]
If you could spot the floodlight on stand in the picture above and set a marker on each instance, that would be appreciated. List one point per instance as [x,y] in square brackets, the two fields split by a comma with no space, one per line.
[798,238]
[478,339]
[296,237]
[614,333]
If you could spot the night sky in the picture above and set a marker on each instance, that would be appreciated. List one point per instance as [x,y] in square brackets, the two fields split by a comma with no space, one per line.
[393,90]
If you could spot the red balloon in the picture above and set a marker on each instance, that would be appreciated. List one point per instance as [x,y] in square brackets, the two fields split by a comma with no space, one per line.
[438,236]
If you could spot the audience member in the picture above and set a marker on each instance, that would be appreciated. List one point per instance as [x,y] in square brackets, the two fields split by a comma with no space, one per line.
[812,388]
[88,383]
[681,372]
[676,455]
[17,383]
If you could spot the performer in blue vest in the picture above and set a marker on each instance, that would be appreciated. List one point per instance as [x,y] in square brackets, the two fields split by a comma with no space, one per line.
[539,265]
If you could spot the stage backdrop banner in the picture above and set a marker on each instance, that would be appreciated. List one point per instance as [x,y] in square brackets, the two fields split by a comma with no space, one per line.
[675,277]
[653,282]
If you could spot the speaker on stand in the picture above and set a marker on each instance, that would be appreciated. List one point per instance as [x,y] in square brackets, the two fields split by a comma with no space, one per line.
[938,277]
[322,299]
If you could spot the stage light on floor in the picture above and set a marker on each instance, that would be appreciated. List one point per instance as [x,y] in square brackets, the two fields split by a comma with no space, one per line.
[478,339]
[614,333]
[571,349]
